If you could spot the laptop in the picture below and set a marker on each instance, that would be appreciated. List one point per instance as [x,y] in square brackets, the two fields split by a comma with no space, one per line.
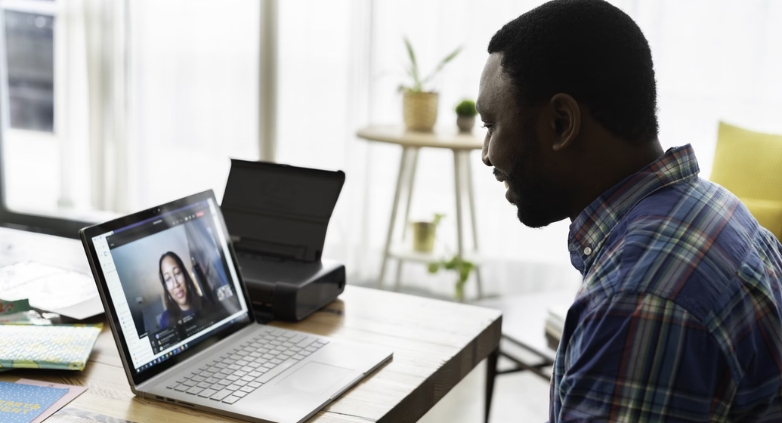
[188,336]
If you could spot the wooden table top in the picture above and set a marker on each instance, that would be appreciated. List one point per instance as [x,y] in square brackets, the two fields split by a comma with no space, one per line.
[440,138]
[435,344]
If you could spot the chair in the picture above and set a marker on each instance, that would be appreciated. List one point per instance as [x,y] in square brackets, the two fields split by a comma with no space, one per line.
[749,164]
[524,341]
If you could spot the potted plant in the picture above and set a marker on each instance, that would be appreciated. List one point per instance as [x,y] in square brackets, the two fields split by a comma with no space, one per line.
[424,234]
[419,106]
[462,267]
[465,115]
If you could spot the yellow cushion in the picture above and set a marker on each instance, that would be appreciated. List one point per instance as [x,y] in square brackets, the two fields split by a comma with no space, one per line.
[767,212]
[748,163]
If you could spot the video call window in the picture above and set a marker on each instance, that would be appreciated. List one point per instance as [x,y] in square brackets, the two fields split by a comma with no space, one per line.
[174,276]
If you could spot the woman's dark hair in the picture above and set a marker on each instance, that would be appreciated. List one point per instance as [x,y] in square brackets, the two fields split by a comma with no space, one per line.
[192,297]
[590,50]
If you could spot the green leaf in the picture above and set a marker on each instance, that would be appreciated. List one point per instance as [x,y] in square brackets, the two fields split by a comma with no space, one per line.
[433,267]
[466,108]
[464,273]
[437,218]
[414,65]
[441,65]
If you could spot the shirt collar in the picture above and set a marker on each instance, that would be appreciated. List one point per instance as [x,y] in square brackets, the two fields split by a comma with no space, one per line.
[593,225]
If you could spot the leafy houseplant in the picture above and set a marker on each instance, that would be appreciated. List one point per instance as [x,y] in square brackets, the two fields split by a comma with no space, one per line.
[462,267]
[419,106]
[465,115]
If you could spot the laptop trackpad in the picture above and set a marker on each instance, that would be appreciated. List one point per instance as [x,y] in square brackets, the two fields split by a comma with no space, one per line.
[314,378]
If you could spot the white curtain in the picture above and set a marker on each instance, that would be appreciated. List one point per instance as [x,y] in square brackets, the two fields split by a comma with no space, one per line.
[193,95]
[714,60]
[341,61]
[104,31]
[153,99]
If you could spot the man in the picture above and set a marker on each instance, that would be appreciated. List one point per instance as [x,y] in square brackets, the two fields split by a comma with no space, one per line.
[679,315]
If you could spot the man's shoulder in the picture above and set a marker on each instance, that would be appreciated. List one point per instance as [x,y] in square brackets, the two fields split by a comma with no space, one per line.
[686,243]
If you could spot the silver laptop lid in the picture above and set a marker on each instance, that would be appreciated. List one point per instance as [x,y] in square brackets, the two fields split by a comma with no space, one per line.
[169,281]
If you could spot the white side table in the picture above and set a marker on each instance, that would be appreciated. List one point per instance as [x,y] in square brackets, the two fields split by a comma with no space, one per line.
[461,144]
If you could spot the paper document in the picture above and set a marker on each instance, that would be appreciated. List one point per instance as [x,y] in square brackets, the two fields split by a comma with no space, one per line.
[73,392]
[47,287]
[21,403]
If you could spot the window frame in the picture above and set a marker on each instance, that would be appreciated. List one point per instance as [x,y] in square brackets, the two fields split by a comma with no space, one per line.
[67,223]
[52,225]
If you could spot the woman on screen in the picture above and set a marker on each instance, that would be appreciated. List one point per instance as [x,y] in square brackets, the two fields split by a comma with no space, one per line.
[181,297]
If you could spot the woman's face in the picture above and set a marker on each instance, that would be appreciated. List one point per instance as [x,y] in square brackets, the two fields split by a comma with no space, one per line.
[174,278]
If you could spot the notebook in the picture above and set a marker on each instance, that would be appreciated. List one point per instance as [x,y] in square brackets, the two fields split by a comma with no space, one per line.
[65,347]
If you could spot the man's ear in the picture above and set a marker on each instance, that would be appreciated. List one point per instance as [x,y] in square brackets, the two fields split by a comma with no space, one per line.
[566,120]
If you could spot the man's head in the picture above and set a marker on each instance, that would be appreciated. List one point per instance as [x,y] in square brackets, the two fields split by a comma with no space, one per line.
[563,83]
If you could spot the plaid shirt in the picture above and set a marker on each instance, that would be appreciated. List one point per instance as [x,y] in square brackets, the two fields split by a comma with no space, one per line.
[679,317]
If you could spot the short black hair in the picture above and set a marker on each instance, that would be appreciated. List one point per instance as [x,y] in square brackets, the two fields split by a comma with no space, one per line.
[590,50]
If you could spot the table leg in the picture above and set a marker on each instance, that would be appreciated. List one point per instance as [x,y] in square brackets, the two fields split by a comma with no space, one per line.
[390,234]
[471,202]
[457,174]
[409,200]
[491,374]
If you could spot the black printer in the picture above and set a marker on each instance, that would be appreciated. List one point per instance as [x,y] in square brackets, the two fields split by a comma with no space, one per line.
[277,216]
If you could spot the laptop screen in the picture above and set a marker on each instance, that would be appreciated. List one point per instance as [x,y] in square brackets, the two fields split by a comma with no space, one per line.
[171,281]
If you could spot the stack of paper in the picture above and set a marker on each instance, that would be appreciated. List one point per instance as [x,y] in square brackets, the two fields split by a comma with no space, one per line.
[47,347]
[50,288]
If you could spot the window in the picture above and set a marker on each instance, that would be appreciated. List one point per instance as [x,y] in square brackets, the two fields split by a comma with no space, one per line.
[113,106]
[32,96]
[30,60]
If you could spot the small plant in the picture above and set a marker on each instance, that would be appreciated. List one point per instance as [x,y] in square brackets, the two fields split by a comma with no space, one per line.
[462,267]
[418,83]
[424,234]
[466,108]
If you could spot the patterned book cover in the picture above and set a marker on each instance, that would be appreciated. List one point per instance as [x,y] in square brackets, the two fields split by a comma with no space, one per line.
[23,403]
[65,347]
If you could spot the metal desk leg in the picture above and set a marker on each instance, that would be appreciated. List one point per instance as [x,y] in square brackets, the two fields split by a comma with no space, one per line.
[491,374]
[403,166]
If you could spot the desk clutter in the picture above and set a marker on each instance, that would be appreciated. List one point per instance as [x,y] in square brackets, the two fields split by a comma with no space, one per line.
[32,401]
[53,289]
[28,338]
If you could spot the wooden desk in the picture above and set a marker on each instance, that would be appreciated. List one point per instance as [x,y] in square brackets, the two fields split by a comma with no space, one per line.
[461,145]
[435,345]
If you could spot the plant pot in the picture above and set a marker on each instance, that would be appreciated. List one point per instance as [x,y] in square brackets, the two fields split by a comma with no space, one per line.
[419,110]
[423,236]
[465,123]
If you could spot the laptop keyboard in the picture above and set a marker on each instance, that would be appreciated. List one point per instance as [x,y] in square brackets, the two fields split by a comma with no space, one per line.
[248,367]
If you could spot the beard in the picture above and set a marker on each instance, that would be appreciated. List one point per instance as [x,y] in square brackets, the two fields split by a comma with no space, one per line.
[534,196]
[531,202]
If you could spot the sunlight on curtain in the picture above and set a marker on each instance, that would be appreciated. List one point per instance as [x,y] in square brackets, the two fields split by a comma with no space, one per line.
[714,60]
[193,97]
[340,64]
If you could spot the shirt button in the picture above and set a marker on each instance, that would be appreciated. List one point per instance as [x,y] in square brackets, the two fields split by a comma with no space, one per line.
[587,251]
